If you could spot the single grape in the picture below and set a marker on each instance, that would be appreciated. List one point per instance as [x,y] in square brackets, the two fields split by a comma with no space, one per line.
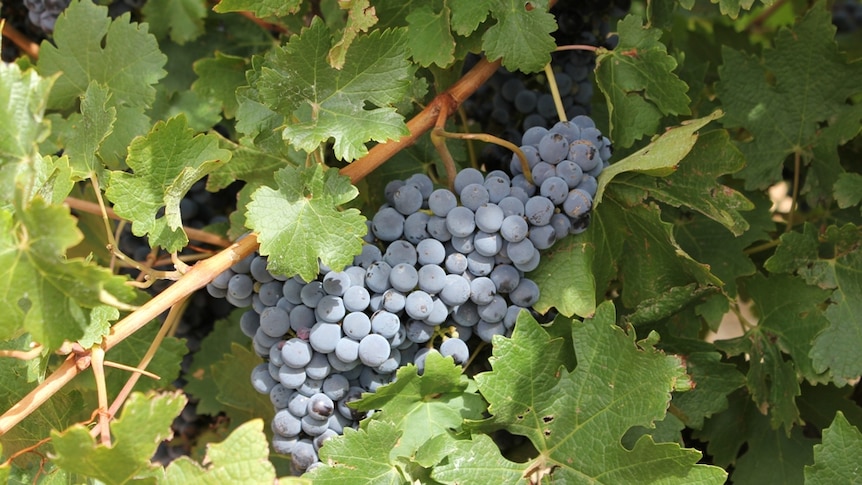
[430,251]
[472,196]
[419,332]
[274,321]
[554,188]
[441,201]
[336,283]
[319,367]
[539,210]
[400,252]
[584,155]
[403,277]
[320,406]
[432,278]
[416,227]
[489,217]
[526,294]
[480,264]
[437,228]
[393,300]
[495,311]
[296,353]
[330,309]
[286,424]
[466,314]
[505,278]
[270,292]
[542,171]
[498,187]
[570,172]
[321,439]
[419,305]
[456,263]
[301,317]
[514,229]
[407,199]
[511,206]
[373,350]
[335,386]
[324,336]
[422,182]
[388,224]
[543,237]
[482,290]
[370,254]
[346,350]
[291,377]
[249,323]
[568,129]
[385,324]
[487,330]
[297,404]
[313,426]
[460,221]
[463,245]
[553,147]
[533,136]
[356,298]
[377,276]
[577,203]
[240,286]
[456,348]
[261,380]
[258,270]
[391,364]
[312,293]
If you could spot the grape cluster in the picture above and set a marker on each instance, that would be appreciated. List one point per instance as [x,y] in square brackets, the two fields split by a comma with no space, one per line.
[43,14]
[440,269]
[847,16]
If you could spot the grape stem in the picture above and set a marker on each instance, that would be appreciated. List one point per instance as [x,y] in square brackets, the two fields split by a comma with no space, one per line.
[555,92]
[31,354]
[525,166]
[439,142]
[576,47]
[97,360]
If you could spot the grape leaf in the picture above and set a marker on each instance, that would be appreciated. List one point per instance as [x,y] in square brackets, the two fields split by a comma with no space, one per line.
[260,8]
[431,40]
[806,62]
[42,291]
[786,325]
[218,78]
[182,21]
[242,457]
[426,406]
[23,97]
[143,423]
[116,53]
[836,459]
[848,190]
[638,83]
[521,36]
[95,124]
[669,303]
[576,256]
[359,456]
[802,253]
[320,102]
[694,183]
[772,456]
[469,462]
[361,16]
[166,163]
[661,156]
[576,420]
[711,243]
[713,381]
[818,405]
[300,222]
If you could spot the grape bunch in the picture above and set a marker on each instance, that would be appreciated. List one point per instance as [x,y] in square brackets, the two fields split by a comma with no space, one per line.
[43,14]
[440,269]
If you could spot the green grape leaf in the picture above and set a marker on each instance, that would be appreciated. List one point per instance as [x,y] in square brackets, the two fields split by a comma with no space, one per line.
[836,348]
[713,381]
[652,262]
[712,243]
[805,61]
[182,21]
[225,386]
[42,291]
[166,163]
[661,157]
[521,36]
[300,221]
[144,422]
[116,53]
[576,256]
[430,39]
[94,125]
[848,190]
[575,420]
[694,184]
[52,179]
[478,461]
[23,98]
[772,456]
[785,326]
[638,82]
[818,405]
[361,16]
[359,456]
[802,253]
[260,8]
[426,406]
[669,303]
[320,102]
[468,14]
[242,457]
[835,460]
[100,325]
[218,78]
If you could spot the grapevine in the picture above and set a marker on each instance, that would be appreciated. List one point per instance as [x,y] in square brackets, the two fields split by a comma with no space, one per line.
[308,242]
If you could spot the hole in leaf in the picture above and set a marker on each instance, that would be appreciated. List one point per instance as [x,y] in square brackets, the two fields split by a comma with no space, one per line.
[548,419]
[25,304]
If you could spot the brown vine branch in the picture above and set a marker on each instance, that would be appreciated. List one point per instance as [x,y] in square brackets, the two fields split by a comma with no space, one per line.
[22,354]
[576,47]
[26,45]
